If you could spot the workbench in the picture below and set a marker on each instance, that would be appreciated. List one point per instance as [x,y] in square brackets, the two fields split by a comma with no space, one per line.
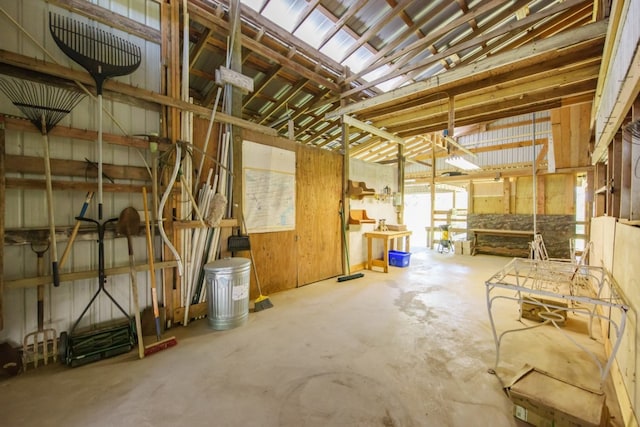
[389,240]
[559,290]
[498,232]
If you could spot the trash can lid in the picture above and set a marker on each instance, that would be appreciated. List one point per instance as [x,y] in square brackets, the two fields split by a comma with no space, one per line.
[227,263]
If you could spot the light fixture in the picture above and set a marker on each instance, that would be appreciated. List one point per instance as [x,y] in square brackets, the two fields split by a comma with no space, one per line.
[461,163]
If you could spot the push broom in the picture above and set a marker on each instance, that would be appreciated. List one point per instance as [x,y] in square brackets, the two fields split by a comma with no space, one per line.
[161,344]
[262,302]
[348,276]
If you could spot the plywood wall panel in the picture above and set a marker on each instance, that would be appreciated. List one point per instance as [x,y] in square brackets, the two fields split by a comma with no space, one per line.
[319,186]
[313,251]
[560,194]
[571,135]
[626,270]
[275,261]
[524,195]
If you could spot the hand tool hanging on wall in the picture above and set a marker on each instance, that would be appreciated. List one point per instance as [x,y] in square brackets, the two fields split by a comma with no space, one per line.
[102,54]
[44,106]
[36,344]
[162,344]
[129,224]
[76,228]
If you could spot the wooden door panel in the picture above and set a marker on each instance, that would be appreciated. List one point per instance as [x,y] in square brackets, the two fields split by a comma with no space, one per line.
[318,190]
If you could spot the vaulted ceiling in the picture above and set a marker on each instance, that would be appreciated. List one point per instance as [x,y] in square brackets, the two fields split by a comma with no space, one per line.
[410,67]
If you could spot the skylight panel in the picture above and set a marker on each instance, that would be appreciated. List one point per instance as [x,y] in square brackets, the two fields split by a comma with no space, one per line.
[389,84]
[358,59]
[254,4]
[313,29]
[338,45]
[284,12]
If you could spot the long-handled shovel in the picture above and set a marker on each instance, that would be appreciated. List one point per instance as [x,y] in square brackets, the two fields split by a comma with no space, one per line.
[128,224]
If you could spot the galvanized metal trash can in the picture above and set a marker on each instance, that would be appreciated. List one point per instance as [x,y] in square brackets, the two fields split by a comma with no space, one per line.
[228,292]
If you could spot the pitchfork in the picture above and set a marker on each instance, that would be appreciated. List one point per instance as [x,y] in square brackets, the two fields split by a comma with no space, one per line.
[40,338]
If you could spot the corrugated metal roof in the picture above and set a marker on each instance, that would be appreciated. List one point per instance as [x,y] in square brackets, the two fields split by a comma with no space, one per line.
[311,57]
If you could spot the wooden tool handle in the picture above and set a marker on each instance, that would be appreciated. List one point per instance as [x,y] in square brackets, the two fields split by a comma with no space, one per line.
[152,271]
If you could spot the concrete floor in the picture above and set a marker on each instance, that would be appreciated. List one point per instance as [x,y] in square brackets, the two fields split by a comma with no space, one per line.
[408,348]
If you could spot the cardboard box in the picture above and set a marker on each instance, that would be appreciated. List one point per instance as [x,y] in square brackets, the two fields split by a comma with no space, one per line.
[531,309]
[467,247]
[457,247]
[543,400]
[530,417]
[397,227]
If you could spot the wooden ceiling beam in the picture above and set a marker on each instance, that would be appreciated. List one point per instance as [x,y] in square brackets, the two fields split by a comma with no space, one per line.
[198,14]
[311,5]
[269,77]
[503,62]
[338,24]
[373,30]
[198,48]
[485,48]
[568,60]
[113,86]
[372,129]
[280,33]
[533,104]
[392,44]
[498,93]
[301,110]
[112,19]
[282,101]
[385,57]
[514,26]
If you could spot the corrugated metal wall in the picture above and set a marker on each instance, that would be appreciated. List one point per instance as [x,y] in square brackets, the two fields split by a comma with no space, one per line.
[27,208]
[508,132]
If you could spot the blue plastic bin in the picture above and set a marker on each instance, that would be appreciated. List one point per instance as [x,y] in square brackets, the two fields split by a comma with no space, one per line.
[399,258]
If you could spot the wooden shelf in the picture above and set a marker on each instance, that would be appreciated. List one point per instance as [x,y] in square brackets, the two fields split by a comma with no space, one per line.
[359,216]
[358,189]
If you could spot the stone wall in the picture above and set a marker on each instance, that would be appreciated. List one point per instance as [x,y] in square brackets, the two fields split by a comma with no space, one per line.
[556,232]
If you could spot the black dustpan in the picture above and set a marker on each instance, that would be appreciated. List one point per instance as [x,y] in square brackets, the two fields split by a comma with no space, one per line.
[238,242]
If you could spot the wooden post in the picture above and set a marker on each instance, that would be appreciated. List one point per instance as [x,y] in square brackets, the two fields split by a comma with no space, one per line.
[634,203]
[600,191]
[170,30]
[570,184]
[235,35]
[433,191]
[2,209]
[470,198]
[540,195]
[626,172]
[589,201]
[401,165]
[615,176]
[344,198]
[506,196]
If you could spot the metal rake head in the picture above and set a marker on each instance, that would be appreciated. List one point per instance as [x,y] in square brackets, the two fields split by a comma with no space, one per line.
[101,53]
[40,102]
